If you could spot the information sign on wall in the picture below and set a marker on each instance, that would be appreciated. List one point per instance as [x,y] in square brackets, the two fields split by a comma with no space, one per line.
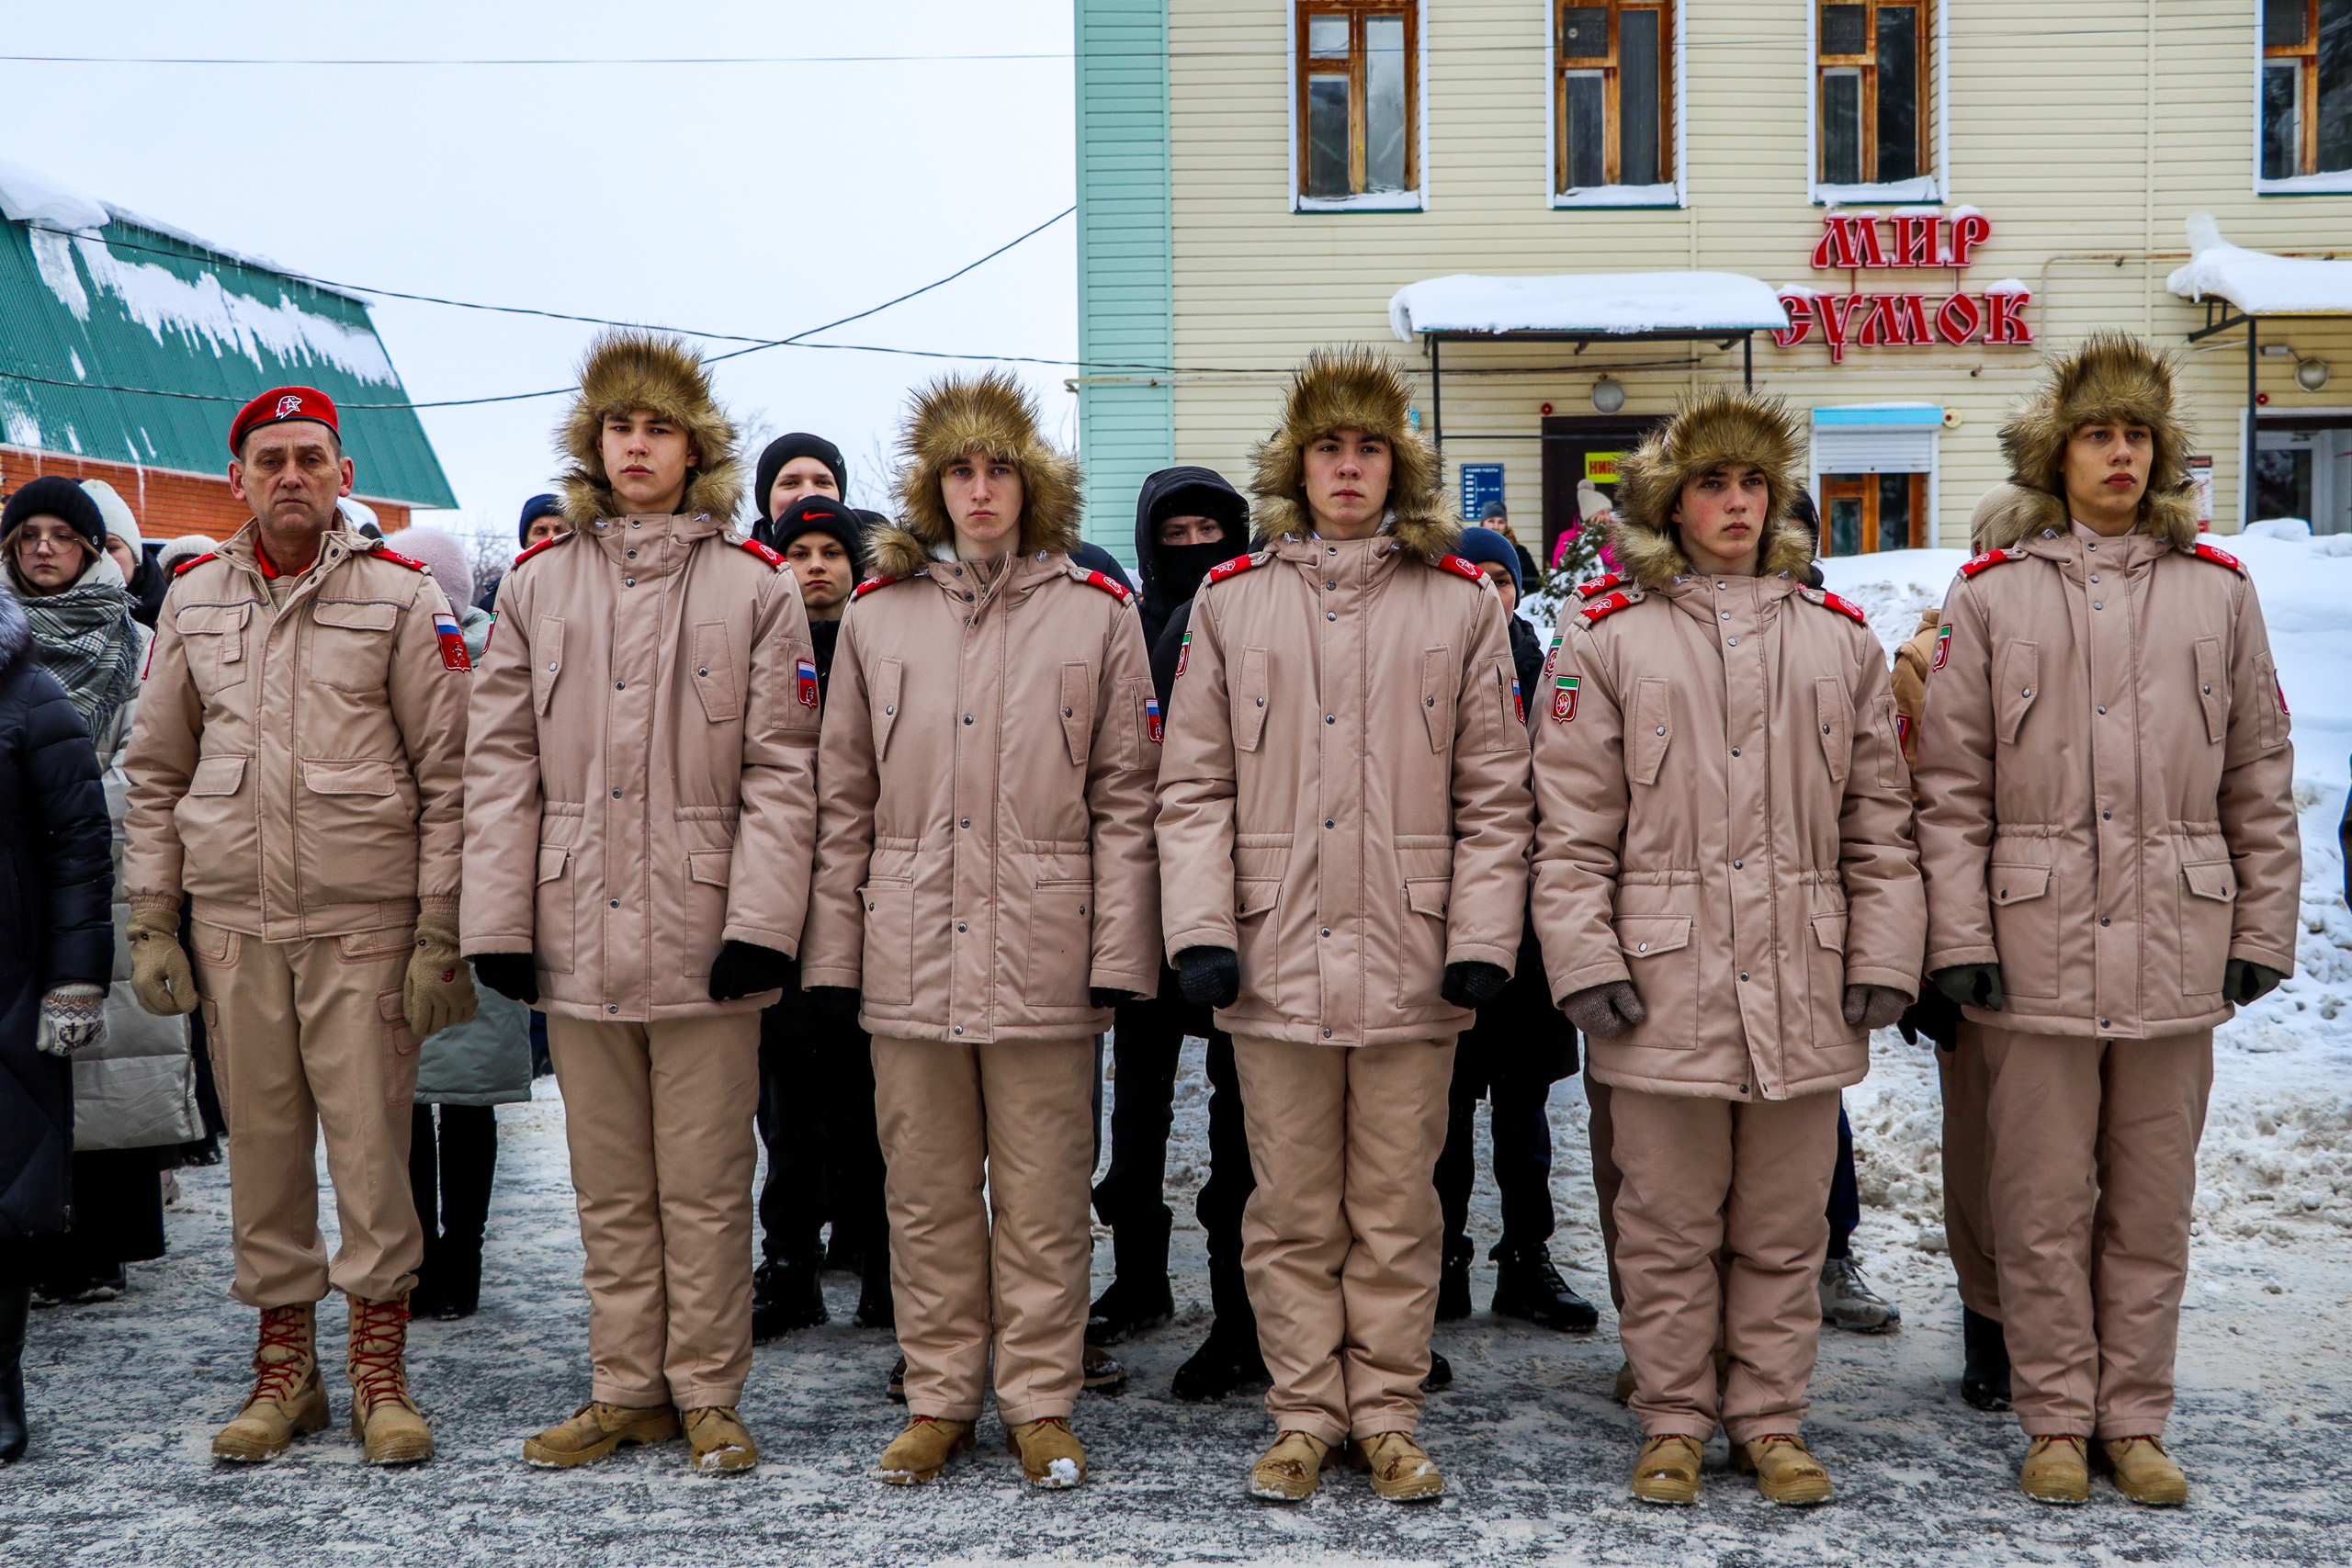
[1481,482]
[1860,243]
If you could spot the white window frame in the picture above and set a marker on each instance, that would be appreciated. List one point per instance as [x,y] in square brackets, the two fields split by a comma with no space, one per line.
[1416,200]
[1670,195]
[1933,187]
[2336,182]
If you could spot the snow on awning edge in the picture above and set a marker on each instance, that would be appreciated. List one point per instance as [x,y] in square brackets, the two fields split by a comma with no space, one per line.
[1652,301]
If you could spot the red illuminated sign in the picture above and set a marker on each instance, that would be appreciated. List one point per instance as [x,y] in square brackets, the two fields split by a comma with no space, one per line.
[1908,240]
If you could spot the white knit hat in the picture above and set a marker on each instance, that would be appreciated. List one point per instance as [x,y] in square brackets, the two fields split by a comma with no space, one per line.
[117,513]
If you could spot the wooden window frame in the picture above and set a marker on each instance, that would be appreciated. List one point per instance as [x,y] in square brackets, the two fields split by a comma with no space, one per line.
[1304,67]
[1612,138]
[2306,55]
[1922,112]
[1864,487]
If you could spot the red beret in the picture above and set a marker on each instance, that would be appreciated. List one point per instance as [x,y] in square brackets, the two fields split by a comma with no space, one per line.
[276,407]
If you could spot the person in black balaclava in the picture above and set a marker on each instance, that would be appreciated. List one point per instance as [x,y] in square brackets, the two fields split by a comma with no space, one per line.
[1187,521]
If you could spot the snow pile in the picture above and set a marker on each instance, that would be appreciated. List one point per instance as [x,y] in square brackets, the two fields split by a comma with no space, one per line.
[29,197]
[2258,282]
[1586,302]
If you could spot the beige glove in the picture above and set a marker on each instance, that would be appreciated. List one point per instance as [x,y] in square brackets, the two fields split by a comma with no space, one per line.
[73,1018]
[438,993]
[160,974]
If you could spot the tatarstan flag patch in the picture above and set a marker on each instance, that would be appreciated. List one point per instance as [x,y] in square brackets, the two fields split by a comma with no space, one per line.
[1563,698]
[1943,646]
[1183,652]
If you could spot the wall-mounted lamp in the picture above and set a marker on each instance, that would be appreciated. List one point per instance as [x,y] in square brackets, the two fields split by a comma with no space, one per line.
[2311,375]
[1608,395]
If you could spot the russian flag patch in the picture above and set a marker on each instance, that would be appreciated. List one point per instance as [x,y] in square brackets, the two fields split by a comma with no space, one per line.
[807,671]
[453,642]
[1154,725]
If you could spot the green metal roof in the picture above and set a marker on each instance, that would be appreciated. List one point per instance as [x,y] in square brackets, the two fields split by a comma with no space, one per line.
[84,316]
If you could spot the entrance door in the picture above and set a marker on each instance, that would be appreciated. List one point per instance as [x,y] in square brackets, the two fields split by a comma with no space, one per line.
[2305,469]
[1580,456]
[1867,513]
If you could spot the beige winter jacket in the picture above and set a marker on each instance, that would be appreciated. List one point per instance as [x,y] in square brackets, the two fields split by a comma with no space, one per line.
[2105,783]
[989,759]
[640,785]
[1344,799]
[1911,662]
[297,773]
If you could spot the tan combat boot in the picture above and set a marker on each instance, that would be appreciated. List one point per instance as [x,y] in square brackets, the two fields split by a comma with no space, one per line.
[596,1431]
[922,1450]
[1050,1453]
[718,1441]
[383,1417]
[2056,1470]
[1290,1469]
[1401,1471]
[1666,1470]
[2143,1472]
[287,1401]
[1785,1471]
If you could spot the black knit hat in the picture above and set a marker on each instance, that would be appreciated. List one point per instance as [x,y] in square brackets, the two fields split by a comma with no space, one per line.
[819,515]
[538,506]
[784,448]
[53,495]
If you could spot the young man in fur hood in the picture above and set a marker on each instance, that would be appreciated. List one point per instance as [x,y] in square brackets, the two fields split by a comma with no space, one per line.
[1344,822]
[1729,902]
[985,895]
[2109,834]
[640,819]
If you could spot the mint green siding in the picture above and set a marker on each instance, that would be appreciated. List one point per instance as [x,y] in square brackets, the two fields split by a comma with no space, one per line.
[1125,260]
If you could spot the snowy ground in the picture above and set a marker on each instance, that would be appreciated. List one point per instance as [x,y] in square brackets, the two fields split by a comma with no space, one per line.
[126,1395]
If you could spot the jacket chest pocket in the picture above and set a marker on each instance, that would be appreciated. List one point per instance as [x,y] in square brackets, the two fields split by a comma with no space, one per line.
[715,672]
[547,661]
[1437,696]
[2020,680]
[2213,690]
[1650,729]
[1078,710]
[213,638]
[351,642]
[1248,697]
[1835,715]
[884,697]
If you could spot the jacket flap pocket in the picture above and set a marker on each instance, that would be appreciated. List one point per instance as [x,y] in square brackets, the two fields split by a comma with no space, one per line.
[1830,930]
[884,699]
[355,614]
[713,866]
[2021,682]
[1437,696]
[714,670]
[1647,936]
[225,621]
[553,859]
[2213,690]
[546,661]
[1835,715]
[1255,897]
[390,1008]
[2016,884]
[1077,709]
[1249,699]
[2211,879]
[1650,729]
[364,777]
[1427,894]
[217,775]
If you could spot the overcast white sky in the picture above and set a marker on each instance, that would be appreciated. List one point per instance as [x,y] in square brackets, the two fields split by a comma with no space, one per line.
[733,198]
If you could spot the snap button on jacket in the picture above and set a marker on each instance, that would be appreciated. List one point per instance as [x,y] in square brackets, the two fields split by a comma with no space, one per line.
[297,773]
[989,758]
[1725,821]
[640,782]
[1344,799]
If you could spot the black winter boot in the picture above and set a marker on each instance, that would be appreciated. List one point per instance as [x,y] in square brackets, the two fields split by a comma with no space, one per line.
[15,1303]
[1138,1296]
[1227,1362]
[1454,1281]
[1985,1379]
[1526,1286]
[1441,1373]
[457,1283]
[785,1296]
[877,1308]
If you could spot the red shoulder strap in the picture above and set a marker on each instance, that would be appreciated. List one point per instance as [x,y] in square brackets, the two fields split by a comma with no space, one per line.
[1845,607]
[868,586]
[1598,586]
[1593,612]
[2220,558]
[1986,561]
[1460,568]
[187,566]
[1110,585]
[762,551]
[1233,568]
[543,544]
[380,553]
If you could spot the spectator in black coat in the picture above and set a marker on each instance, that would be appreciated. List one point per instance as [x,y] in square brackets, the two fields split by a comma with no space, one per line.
[56,945]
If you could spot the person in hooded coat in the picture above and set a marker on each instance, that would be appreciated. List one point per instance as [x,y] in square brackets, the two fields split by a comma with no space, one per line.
[56,954]
[986,883]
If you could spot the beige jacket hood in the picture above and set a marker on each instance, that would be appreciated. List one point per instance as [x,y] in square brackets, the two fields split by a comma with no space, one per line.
[641,781]
[627,371]
[298,772]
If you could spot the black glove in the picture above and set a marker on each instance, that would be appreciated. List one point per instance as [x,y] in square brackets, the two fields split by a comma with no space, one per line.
[1473,984]
[835,1006]
[1209,976]
[511,975]
[1933,1015]
[1107,995]
[2243,980]
[1972,984]
[1606,1010]
[745,968]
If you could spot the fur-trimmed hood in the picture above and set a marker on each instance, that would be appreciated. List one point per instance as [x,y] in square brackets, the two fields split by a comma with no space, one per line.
[1352,389]
[2112,378]
[956,415]
[626,371]
[1711,429]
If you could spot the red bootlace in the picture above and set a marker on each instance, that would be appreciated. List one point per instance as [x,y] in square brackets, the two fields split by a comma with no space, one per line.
[281,1329]
[377,1339]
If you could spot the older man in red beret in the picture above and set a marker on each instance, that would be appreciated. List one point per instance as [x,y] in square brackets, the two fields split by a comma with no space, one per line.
[297,777]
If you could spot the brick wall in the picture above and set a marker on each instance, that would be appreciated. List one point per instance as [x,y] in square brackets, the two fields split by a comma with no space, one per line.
[167,503]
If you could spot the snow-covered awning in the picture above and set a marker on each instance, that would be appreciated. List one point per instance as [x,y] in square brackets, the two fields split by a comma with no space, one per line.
[1597,304]
[2257,282]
